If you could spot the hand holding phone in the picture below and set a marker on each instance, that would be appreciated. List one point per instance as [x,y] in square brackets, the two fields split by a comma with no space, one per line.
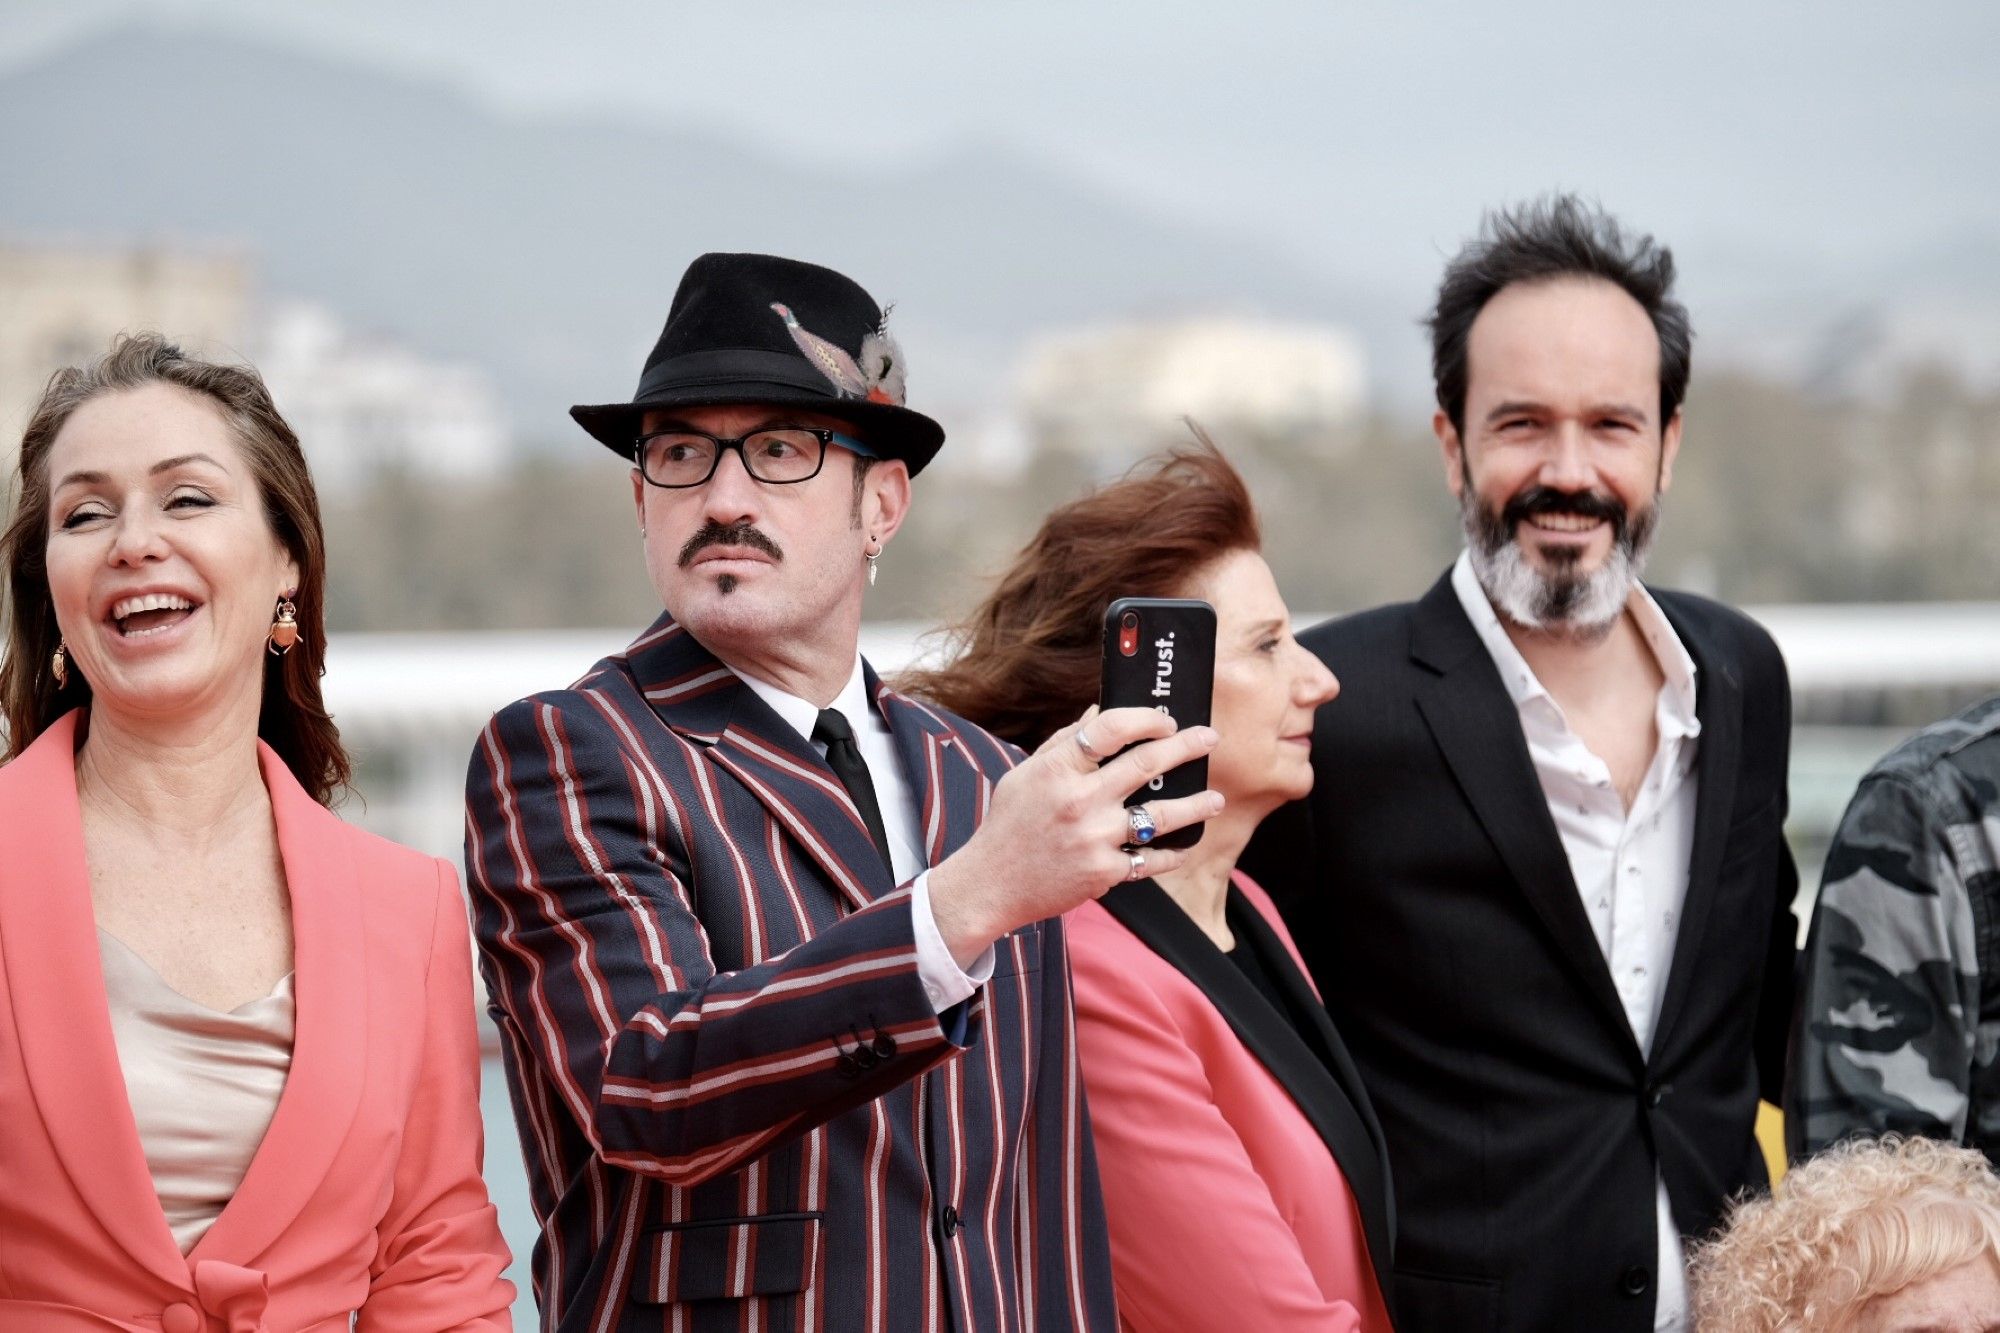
[1159,652]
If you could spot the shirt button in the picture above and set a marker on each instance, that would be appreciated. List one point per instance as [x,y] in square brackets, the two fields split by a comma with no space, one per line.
[180,1317]
[1634,1281]
[948,1220]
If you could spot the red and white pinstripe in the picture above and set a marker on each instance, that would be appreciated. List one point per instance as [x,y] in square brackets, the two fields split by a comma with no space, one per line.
[738,1107]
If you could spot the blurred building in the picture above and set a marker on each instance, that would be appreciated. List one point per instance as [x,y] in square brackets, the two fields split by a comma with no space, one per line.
[361,404]
[62,304]
[366,404]
[1111,394]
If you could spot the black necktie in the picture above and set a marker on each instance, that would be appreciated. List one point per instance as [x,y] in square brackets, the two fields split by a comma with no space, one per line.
[843,756]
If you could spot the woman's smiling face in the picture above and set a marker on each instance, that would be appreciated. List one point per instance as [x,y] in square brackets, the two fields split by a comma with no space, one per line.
[162,563]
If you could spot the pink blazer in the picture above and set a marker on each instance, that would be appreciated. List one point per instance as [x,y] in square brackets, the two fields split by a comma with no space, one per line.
[365,1194]
[1228,1208]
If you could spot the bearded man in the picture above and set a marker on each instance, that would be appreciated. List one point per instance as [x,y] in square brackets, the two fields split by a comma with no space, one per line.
[1542,880]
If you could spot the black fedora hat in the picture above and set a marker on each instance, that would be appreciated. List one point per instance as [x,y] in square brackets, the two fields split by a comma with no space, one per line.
[759,329]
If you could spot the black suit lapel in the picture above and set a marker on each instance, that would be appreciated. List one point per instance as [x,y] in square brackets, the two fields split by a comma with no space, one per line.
[1719,706]
[1256,932]
[1478,729]
[1341,1117]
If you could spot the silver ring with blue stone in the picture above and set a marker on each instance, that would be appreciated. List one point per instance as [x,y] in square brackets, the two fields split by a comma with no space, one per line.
[1139,820]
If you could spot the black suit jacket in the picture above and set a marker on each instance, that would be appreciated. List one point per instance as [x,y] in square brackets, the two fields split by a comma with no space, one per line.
[1426,885]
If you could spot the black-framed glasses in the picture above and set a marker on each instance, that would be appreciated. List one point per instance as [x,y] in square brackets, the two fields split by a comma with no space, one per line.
[782,456]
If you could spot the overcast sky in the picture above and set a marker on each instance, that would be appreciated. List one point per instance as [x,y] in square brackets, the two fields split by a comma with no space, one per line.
[1822,132]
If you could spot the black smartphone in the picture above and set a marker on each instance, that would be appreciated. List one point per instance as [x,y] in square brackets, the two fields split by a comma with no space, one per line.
[1159,652]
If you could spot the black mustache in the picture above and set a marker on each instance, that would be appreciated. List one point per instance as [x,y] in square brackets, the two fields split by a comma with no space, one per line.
[1539,500]
[729,534]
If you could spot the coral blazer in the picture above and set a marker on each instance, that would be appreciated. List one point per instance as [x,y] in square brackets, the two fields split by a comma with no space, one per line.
[365,1194]
[1245,1177]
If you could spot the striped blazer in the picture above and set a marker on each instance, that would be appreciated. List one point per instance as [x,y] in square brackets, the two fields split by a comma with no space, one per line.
[738,1107]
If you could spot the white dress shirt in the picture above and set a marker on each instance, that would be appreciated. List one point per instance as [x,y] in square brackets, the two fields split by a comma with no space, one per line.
[1630,867]
[945,982]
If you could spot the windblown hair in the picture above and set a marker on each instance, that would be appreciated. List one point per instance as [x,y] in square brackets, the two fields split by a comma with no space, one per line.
[293,720]
[1024,664]
[1863,1219]
[1556,236]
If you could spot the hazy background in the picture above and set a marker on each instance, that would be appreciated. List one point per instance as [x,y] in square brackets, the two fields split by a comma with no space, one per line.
[508,194]
[436,226]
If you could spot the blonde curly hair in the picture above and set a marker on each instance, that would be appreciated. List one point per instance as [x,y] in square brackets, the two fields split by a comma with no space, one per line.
[1863,1219]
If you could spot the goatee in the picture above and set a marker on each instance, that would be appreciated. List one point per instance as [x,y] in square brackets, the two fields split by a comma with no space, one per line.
[727,534]
[1558,599]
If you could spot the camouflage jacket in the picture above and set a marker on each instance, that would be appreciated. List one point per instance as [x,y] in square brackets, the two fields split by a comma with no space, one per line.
[1899,1021]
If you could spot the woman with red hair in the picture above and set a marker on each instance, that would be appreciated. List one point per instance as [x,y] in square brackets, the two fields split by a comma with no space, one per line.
[1244,1175]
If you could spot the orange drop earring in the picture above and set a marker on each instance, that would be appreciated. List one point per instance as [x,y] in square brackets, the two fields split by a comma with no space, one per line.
[284,629]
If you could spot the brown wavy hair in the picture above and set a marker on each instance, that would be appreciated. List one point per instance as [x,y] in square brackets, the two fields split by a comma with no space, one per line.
[1025,662]
[293,720]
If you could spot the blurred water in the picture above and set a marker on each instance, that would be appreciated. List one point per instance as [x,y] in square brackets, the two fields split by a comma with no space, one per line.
[507,1182]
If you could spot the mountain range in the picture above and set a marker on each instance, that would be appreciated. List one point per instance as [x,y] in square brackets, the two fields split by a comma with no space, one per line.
[546,248]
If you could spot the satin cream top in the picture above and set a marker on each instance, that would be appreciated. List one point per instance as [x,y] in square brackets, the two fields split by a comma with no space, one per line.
[203,1084]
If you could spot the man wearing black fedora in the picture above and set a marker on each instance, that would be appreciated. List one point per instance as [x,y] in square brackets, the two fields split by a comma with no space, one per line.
[773,949]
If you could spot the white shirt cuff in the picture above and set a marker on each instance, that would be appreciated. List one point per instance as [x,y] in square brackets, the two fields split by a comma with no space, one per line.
[944,981]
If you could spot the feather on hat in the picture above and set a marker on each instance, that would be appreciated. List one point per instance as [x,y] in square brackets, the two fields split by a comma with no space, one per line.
[829,349]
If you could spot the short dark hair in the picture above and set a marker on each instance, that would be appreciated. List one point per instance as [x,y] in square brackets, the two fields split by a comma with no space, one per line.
[1555,236]
[862,464]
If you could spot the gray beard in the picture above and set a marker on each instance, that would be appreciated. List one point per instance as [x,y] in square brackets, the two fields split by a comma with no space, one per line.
[1562,603]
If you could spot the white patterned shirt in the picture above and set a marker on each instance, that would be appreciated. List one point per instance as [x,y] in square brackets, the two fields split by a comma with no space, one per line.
[1630,867]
